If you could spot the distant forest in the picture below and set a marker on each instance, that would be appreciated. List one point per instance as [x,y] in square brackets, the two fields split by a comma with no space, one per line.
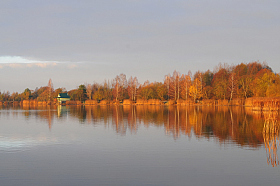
[225,82]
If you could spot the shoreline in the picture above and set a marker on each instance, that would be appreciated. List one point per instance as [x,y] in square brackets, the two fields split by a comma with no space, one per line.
[256,103]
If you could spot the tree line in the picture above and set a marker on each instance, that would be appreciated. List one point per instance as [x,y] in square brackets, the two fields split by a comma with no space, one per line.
[244,80]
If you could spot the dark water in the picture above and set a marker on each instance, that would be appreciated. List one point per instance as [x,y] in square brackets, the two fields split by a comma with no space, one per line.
[138,145]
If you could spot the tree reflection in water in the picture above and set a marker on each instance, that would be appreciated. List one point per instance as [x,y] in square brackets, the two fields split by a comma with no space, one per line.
[271,137]
[227,125]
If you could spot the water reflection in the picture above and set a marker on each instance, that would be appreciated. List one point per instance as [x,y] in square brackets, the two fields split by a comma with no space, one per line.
[45,113]
[271,137]
[227,125]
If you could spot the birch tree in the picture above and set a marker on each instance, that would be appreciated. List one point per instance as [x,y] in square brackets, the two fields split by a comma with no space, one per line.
[132,88]
[232,84]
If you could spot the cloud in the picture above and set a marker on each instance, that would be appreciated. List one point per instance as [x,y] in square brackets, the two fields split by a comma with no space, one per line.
[42,65]
[20,62]
[15,59]
[133,37]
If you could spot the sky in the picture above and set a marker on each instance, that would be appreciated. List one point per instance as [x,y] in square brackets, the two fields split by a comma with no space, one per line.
[77,42]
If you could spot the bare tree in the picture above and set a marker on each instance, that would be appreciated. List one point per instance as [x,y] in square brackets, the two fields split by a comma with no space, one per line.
[132,88]
[185,85]
[167,83]
[116,87]
[174,86]
[123,85]
[89,91]
[50,89]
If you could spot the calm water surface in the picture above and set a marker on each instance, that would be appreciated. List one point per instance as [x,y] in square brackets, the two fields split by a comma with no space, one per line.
[138,145]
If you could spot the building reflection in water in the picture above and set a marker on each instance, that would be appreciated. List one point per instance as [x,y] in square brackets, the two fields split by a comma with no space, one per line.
[62,110]
[238,125]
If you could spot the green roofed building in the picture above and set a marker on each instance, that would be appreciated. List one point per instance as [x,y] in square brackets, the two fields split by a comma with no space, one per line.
[62,98]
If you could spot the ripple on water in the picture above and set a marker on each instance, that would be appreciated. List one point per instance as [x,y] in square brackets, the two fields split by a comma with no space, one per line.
[15,145]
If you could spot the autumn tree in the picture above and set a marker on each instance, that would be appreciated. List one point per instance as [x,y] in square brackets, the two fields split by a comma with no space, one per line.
[185,83]
[132,88]
[5,96]
[220,83]
[50,89]
[58,91]
[232,84]
[44,96]
[98,93]
[107,90]
[81,93]
[242,85]
[174,86]
[167,81]
[161,91]
[89,91]
[35,94]
[274,89]
[264,79]
[116,88]
[123,86]
[198,75]
[15,96]
[225,82]
[146,91]
[252,72]
[254,67]
[26,94]
[73,94]
[42,93]
[245,82]
[195,89]
[119,87]
[207,78]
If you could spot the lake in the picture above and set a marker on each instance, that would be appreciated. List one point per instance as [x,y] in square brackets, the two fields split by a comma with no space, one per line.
[138,145]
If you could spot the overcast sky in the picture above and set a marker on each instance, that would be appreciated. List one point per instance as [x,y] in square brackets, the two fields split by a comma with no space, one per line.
[75,42]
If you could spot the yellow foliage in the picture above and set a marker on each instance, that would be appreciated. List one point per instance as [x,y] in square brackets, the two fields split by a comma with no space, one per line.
[195,89]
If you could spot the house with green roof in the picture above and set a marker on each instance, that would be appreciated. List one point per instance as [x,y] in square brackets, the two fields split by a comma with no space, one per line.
[62,98]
